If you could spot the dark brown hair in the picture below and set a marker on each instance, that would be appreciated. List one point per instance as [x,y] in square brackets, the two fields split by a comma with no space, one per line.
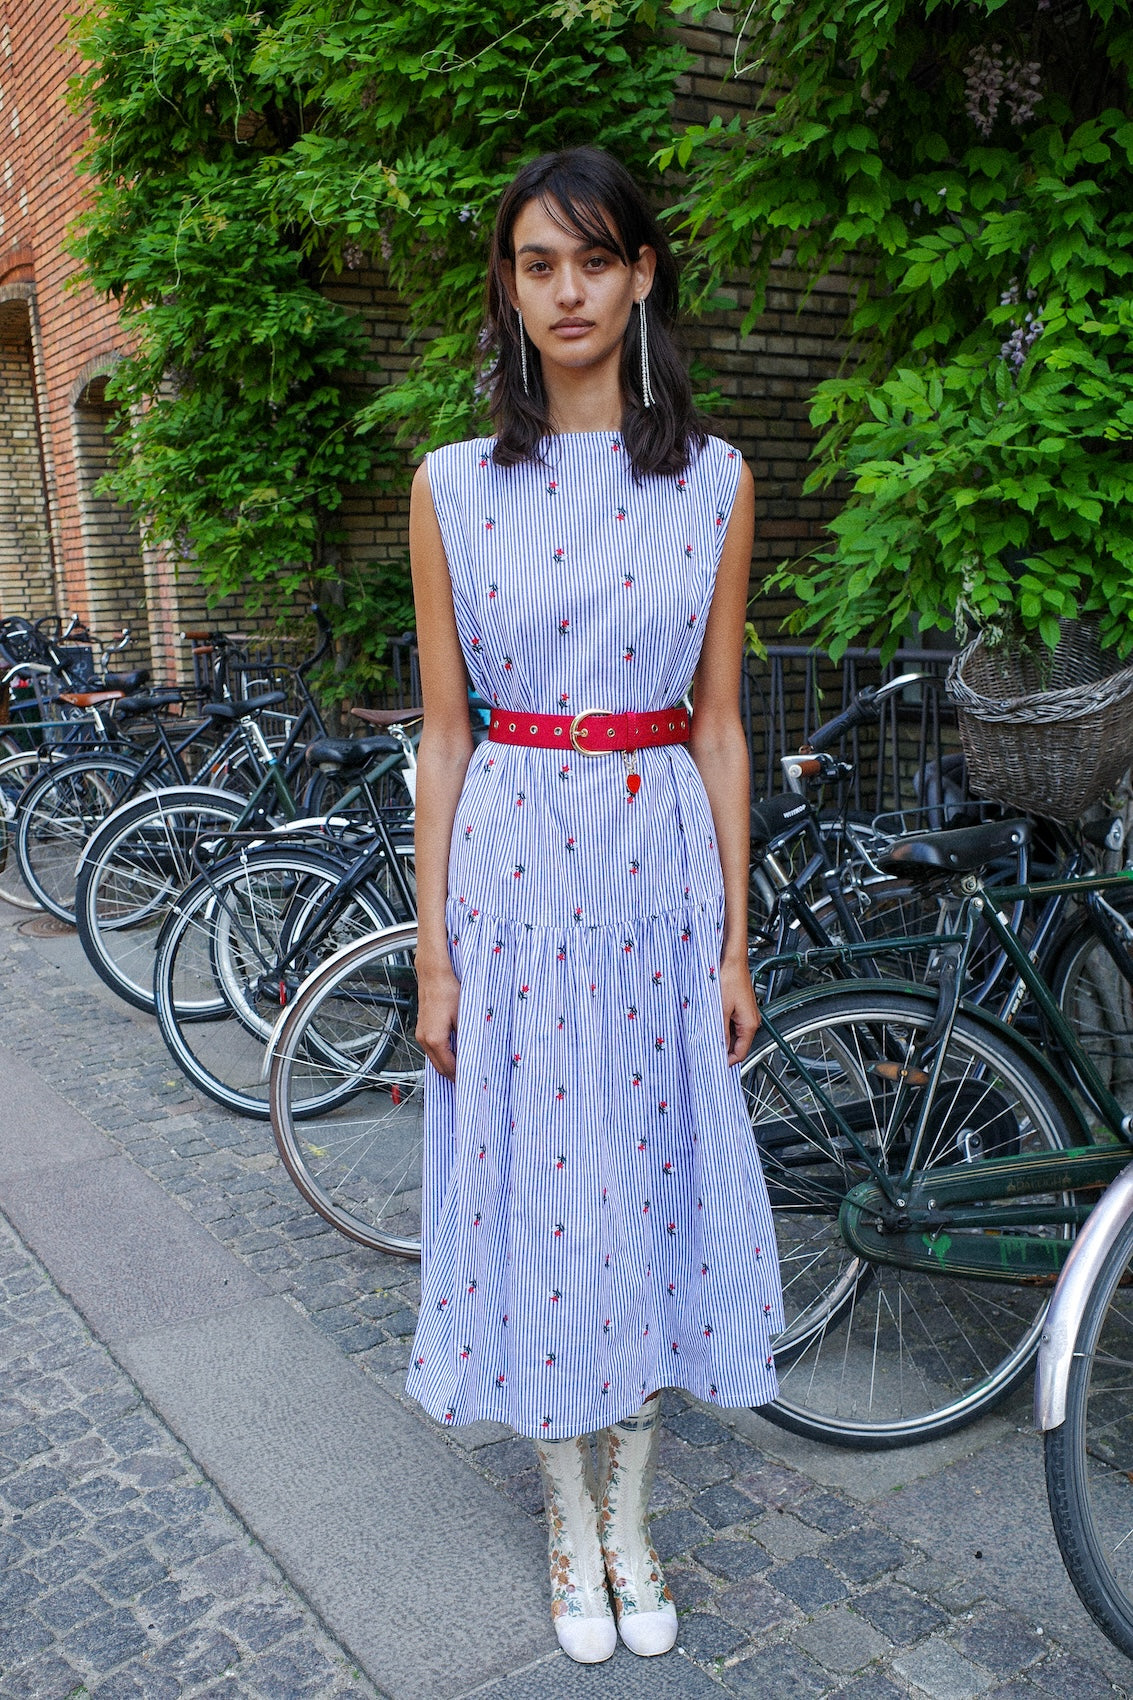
[596,199]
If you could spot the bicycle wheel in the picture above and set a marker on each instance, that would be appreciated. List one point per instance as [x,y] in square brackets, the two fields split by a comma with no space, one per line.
[58,813]
[1089,1458]
[133,869]
[16,774]
[351,1030]
[220,981]
[874,1356]
[1094,995]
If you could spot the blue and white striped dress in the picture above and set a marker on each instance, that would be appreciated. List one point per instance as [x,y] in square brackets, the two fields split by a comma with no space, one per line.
[595,1222]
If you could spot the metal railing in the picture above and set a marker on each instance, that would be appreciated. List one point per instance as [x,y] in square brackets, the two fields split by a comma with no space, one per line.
[909,762]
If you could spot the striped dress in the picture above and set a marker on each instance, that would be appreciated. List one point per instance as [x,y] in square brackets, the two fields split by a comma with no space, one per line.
[595,1223]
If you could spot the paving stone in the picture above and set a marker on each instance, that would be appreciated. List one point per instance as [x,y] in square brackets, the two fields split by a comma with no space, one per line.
[872,1685]
[1073,1679]
[954,1593]
[902,1616]
[809,1582]
[723,1507]
[840,1641]
[706,1638]
[829,1512]
[1001,1640]
[784,1536]
[941,1672]
[697,1427]
[734,1560]
[781,1671]
[675,1532]
[689,1586]
[754,1605]
[866,1554]
[696,1467]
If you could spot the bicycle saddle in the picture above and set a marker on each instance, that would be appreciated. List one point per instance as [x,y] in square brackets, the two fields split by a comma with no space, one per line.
[89,699]
[958,852]
[776,815]
[147,704]
[126,681]
[387,716]
[343,755]
[237,709]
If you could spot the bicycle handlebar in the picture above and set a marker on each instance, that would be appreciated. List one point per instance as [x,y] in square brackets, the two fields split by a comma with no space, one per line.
[866,706]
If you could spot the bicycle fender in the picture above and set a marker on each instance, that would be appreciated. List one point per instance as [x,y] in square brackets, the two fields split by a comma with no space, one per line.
[1064,1317]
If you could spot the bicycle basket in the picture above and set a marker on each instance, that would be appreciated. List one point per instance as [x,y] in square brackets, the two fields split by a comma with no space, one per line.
[1050,748]
[21,642]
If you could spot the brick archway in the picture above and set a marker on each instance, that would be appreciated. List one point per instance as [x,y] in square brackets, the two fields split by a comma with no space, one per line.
[116,577]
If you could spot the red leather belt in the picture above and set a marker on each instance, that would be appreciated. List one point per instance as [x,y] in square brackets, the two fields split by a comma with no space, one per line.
[593,732]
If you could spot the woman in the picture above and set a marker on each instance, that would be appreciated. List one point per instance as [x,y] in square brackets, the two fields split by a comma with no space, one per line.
[595,1223]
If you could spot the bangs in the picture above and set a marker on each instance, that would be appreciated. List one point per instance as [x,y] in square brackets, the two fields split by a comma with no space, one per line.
[582,216]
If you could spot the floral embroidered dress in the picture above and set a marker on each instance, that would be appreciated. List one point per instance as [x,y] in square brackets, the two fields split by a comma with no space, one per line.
[595,1223]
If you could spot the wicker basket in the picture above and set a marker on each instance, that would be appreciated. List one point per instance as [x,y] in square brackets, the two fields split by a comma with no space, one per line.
[1050,749]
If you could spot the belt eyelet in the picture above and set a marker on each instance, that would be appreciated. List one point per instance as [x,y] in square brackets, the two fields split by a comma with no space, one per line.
[511,726]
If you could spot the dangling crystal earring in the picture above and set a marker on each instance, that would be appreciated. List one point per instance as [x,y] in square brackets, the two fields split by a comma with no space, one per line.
[522,349]
[646,388]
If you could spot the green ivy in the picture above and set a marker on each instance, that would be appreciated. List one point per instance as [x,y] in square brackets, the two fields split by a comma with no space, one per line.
[973,163]
[238,160]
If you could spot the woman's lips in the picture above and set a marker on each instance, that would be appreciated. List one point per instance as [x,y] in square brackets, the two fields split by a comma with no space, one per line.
[572,331]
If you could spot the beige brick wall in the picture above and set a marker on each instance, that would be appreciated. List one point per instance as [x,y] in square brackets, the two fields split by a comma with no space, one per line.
[26,586]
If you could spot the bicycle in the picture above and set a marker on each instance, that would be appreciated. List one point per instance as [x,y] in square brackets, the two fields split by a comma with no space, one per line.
[238,942]
[137,864]
[60,812]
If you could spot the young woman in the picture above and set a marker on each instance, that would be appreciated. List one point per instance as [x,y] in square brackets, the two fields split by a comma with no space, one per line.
[595,1225]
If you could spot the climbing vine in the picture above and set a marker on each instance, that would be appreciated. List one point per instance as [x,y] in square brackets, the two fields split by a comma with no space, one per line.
[242,157]
[973,163]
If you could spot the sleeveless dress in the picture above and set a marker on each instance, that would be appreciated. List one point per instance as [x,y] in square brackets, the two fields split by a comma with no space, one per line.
[595,1222]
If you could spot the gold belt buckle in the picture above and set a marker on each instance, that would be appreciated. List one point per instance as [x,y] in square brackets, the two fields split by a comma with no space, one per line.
[574,734]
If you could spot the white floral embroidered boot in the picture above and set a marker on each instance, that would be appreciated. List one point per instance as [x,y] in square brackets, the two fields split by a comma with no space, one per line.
[627,1460]
[580,1603]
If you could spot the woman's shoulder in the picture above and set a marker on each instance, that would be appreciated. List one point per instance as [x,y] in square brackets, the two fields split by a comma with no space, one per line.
[474,454]
[717,452]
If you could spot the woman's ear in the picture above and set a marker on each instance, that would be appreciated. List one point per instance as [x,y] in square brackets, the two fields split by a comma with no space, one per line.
[644,268]
[507,278]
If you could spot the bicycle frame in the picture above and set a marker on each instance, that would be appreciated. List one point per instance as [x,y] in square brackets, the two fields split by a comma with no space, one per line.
[904,1219]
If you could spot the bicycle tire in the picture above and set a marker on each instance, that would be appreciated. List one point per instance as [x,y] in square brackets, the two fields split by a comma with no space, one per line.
[1088,1457]
[16,773]
[130,873]
[216,987]
[360,1170]
[58,813]
[872,1356]
[1094,996]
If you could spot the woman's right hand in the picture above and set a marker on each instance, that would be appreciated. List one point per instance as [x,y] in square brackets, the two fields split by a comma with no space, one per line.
[438,995]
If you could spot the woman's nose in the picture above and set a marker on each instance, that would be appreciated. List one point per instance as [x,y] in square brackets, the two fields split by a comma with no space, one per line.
[571,289]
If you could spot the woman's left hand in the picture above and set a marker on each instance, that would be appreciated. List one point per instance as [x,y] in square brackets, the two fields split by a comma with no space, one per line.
[741,1013]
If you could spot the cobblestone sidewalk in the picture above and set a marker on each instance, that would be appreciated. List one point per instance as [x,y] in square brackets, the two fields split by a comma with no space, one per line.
[788,1590]
[122,1573]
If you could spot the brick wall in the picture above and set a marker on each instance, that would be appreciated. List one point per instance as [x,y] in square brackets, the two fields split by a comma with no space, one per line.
[99,567]
[25,544]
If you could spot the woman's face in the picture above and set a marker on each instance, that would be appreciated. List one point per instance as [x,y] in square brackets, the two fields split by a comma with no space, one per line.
[576,299]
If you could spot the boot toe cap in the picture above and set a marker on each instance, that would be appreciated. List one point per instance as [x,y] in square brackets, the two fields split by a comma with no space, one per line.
[587,1640]
[647,1633]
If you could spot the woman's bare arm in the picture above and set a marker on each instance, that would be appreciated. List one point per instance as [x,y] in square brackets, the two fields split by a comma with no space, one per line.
[442,762]
[719,749]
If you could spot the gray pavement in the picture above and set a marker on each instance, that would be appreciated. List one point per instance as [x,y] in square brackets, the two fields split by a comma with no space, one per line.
[211,1482]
